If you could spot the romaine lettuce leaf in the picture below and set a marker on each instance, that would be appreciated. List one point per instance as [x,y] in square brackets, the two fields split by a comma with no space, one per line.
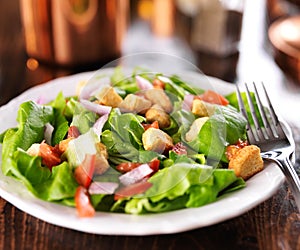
[123,138]
[183,185]
[83,119]
[226,126]
[32,119]
[60,123]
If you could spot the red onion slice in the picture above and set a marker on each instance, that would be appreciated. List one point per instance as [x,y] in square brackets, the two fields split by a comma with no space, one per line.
[98,126]
[96,108]
[188,102]
[103,187]
[48,130]
[143,83]
[135,175]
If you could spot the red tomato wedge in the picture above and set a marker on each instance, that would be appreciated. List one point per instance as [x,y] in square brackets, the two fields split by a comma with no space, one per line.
[83,203]
[158,84]
[84,172]
[50,155]
[133,189]
[125,167]
[154,165]
[213,97]
[152,125]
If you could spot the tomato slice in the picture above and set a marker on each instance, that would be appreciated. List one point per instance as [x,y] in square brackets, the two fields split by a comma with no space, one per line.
[154,165]
[83,203]
[49,154]
[213,97]
[125,167]
[158,84]
[133,189]
[85,171]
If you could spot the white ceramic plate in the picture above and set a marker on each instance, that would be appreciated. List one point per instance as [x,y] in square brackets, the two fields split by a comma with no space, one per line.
[259,188]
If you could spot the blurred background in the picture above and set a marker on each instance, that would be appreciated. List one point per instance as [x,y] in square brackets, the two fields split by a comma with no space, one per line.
[234,40]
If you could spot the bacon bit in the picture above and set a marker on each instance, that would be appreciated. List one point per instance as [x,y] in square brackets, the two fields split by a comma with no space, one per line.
[179,149]
[152,125]
[242,144]
[73,132]
[158,84]
[231,150]
[50,155]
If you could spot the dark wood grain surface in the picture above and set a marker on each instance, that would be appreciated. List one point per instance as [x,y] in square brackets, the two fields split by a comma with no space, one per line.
[274,224]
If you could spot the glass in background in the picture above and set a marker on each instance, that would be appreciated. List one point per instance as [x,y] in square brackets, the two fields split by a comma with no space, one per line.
[213,30]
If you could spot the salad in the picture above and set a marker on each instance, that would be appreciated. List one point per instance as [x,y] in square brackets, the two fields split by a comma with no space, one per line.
[147,143]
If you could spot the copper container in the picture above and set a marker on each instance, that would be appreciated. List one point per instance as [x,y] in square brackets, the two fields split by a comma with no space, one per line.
[74,32]
[284,35]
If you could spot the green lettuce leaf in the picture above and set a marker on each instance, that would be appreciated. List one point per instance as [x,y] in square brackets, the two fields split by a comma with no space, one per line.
[183,185]
[226,126]
[32,119]
[83,119]
[60,186]
[123,138]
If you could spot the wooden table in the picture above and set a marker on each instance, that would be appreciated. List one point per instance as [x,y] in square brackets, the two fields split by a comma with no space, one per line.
[274,224]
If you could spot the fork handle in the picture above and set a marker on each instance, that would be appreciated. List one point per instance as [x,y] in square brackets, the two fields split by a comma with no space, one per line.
[291,177]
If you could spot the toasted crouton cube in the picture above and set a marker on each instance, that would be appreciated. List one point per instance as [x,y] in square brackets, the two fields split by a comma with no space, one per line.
[156,140]
[134,103]
[109,97]
[195,128]
[101,163]
[201,108]
[63,145]
[158,96]
[246,162]
[156,113]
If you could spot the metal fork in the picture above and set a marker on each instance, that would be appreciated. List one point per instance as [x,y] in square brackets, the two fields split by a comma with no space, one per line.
[265,130]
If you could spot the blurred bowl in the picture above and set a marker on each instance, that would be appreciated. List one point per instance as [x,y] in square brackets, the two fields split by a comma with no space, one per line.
[284,34]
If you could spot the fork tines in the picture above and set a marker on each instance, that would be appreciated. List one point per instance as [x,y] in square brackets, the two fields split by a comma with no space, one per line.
[263,122]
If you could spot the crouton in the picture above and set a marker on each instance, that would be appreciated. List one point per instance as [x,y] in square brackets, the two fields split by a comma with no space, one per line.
[195,128]
[101,163]
[135,104]
[108,96]
[157,140]
[201,108]
[246,162]
[63,145]
[158,96]
[156,113]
